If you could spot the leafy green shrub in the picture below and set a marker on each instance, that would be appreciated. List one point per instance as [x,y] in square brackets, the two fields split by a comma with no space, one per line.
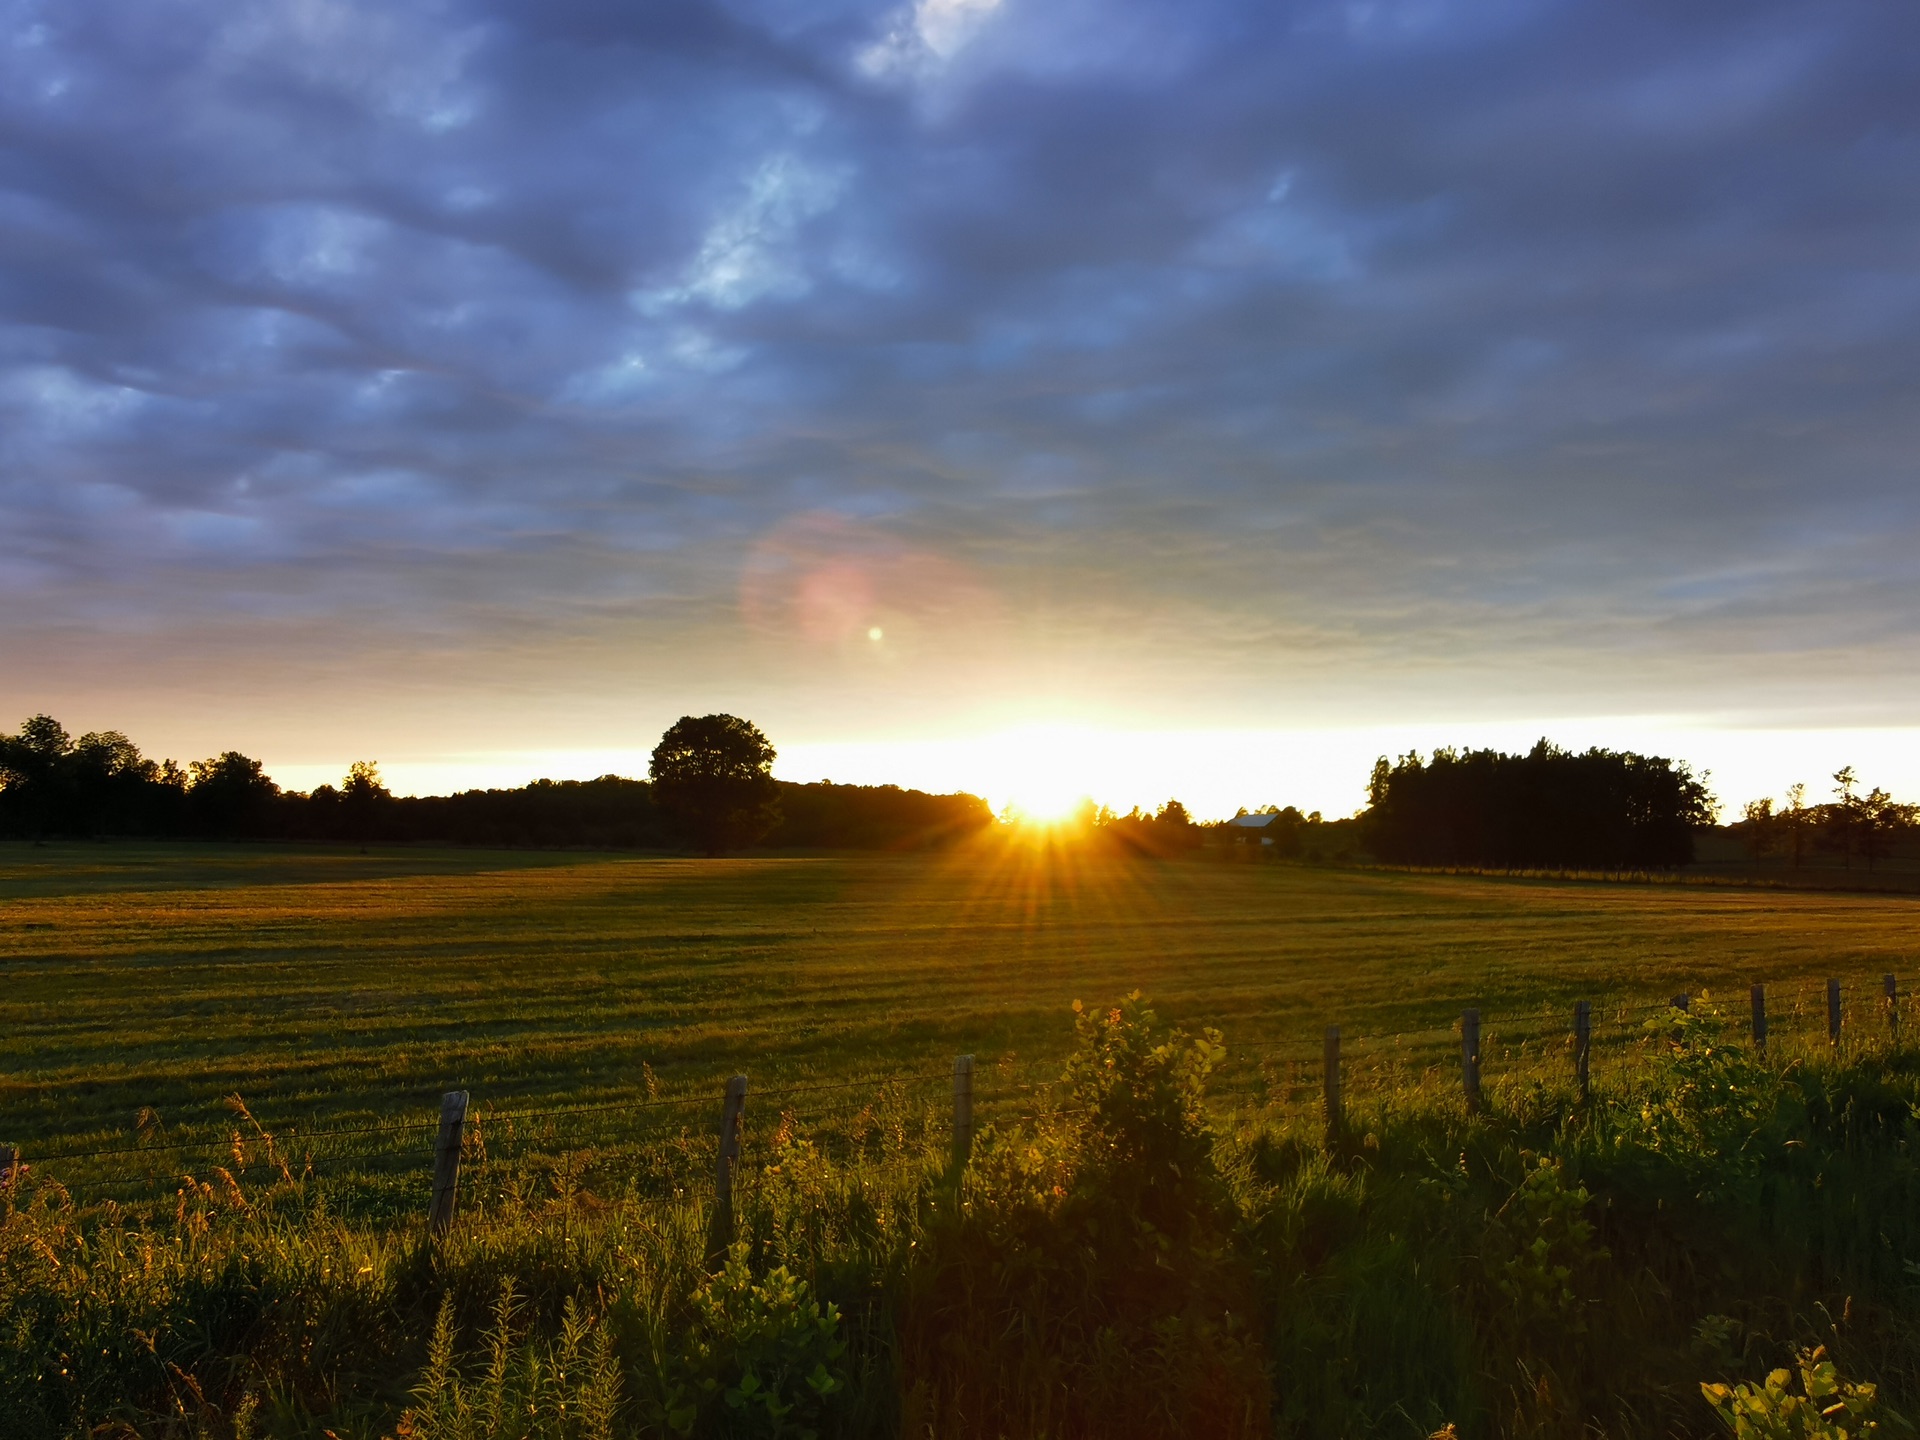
[1087,1282]
[1144,1147]
[1547,1243]
[762,1357]
[1828,1408]
[1711,1109]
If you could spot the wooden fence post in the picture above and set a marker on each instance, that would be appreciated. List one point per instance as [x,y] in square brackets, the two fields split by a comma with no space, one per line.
[1335,1119]
[720,1235]
[1892,987]
[9,1157]
[1470,1056]
[446,1160]
[962,1111]
[1583,1047]
[1760,1019]
[1833,1012]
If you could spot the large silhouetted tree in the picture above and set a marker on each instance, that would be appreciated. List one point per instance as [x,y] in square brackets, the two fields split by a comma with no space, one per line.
[33,766]
[713,776]
[364,800]
[230,795]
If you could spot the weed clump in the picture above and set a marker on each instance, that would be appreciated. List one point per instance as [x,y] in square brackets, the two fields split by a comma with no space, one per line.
[529,1389]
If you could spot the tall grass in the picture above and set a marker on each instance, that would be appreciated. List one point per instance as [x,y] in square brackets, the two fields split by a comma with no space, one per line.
[1130,1263]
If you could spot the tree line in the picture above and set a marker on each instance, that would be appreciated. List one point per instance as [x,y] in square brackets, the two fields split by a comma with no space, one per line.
[1855,823]
[100,785]
[1548,808]
[710,787]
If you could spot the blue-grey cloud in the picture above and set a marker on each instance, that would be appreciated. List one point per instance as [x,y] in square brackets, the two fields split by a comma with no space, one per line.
[1258,346]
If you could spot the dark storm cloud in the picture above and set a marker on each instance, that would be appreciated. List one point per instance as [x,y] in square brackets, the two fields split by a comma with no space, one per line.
[1557,327]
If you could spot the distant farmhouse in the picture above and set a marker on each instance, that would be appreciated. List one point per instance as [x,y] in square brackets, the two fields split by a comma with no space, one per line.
[1265,826]
[1269,827]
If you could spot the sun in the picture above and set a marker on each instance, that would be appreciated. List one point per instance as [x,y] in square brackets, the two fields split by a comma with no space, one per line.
[1041,776]
[1040,802]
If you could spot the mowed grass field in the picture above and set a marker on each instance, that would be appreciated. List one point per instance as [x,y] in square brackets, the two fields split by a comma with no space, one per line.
[325,984]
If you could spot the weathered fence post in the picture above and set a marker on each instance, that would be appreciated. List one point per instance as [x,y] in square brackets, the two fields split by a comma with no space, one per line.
[1470,1056]
[1833,1012]
[9,1157]
[1334,1117]
[1583,1047]
[720,1236]
[446,1160]
[1892,987]
[1760,1019]
[962,1111]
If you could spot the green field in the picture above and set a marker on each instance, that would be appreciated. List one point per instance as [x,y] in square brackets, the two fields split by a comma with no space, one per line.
[336,984]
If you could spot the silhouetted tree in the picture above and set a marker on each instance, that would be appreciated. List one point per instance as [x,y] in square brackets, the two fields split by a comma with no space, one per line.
[32,771]
[713,776]
[1163,833]
[1842,817]
[1863,823]
[116,790]
[1878,818]
[1794,818]
[363,800]
[1759,827]
[230,796]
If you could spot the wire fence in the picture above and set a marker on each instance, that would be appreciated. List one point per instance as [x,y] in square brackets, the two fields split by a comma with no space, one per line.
[678,1143]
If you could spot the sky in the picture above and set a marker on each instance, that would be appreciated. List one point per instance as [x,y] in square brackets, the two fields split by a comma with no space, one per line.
[1143,398]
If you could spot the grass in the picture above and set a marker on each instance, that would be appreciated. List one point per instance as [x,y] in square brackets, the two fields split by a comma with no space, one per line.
[352,986]
[1135,1266]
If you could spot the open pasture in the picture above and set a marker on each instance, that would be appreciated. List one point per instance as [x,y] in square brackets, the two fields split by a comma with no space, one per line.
[336,984]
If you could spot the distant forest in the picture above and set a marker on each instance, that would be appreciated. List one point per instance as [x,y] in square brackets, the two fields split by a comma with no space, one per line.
[101,785]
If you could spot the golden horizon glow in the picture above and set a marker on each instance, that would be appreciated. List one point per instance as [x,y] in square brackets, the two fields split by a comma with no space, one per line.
[1044,809]
[1039,773]
[1042,771]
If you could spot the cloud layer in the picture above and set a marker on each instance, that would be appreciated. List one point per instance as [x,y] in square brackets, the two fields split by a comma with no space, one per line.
[1262,361]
